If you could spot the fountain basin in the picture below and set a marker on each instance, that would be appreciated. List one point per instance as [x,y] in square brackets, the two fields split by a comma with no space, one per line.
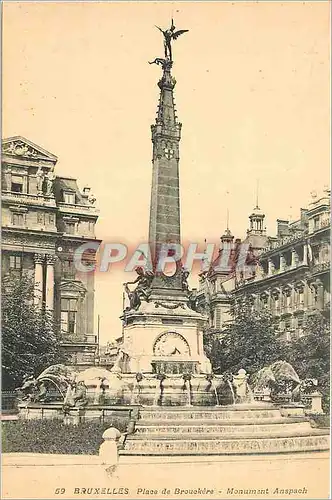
[152,389]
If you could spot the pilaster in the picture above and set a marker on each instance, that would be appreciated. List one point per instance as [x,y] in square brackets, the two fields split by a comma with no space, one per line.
[50,261]
[38,288]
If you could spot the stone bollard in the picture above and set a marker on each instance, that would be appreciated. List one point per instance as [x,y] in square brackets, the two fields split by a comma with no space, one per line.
[316,402]
[108,451]
[72,417]
[266,394]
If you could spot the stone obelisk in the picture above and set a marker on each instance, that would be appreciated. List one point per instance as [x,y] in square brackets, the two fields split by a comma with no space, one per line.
[165,197]
[164,227]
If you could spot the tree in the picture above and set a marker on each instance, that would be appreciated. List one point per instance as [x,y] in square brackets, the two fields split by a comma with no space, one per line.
[30,337]
[249,341]
[310,353]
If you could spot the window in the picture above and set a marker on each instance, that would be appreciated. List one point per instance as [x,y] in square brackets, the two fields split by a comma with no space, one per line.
[18,219]
[316,222]
[17,184]
[68,315]
[40,218]
[70,227]
[68,269]
[300,324]
[301,296]
[69,198]
[15,265]
[15,262]
[51,219]
[218,318]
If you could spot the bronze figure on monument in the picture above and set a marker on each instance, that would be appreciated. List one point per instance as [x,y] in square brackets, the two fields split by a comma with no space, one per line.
[142,290]
[169,35]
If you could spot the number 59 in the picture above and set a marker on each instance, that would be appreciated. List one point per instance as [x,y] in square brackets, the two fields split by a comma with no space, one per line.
[59,491]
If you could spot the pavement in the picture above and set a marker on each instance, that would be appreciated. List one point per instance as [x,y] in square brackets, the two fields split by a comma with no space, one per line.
[300,475]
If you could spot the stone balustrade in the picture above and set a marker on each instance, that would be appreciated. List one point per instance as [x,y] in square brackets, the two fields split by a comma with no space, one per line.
[312,402]
[322,266]
[28,199]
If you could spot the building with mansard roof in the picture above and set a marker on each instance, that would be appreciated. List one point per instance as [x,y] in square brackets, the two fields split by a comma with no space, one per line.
[289,276]
[45,217]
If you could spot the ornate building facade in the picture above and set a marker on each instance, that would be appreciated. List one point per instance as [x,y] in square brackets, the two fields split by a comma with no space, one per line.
[289,274]
[44,219]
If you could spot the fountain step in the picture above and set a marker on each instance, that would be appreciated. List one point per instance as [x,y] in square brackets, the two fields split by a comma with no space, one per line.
[179,431]
[226,446]
[220,414]
[245,435]
[256,405]
[217,422]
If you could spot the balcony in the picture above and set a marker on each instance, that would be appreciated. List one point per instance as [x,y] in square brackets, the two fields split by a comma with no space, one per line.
[276,245]
[286,310]
[279,271]
[323,224]
[321,267]
[28,199]
[299,307]
[78,339]
[66,208]
[276,311]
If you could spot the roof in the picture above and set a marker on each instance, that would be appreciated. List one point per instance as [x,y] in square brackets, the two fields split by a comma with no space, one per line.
[256,240]
[69,184]
[257,212]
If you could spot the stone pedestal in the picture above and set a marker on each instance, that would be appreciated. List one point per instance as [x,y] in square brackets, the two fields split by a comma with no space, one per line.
[316,402]
[165,337]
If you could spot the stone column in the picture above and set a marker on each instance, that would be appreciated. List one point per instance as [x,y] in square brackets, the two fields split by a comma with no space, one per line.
[275,299]
[269,299]
[282,264]
[271,267]
[298,294]
[320,295]
[305,254]
[50,261]
[311,296]
[306,294]
[295,258]
[289,300]
[38,293]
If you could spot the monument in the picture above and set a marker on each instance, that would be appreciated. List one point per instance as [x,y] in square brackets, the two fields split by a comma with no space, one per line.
[162,330]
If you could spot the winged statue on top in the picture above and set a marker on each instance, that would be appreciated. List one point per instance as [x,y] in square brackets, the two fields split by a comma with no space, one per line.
[170,35]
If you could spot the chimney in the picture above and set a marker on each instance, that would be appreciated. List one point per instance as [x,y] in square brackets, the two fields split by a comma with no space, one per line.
[282,228]
[86,191]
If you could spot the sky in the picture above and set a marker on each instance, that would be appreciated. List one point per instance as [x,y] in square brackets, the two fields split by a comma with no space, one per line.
[252,94]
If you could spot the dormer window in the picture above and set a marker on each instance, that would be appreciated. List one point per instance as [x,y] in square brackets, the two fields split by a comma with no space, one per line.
[17,184]
[69,197]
